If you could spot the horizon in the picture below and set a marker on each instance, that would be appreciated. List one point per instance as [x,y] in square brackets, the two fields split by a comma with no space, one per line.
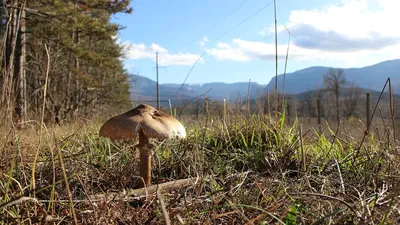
[316,66]
[237,38]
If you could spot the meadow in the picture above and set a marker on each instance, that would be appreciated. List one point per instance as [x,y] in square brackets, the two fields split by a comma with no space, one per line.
[62,76]
[245,169]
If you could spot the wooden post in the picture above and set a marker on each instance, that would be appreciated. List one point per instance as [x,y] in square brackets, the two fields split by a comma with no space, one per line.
[248,112]
[319,115]
[158,84]
[287,112]
[391,106]
[368,110]
[206,106]
[224,110]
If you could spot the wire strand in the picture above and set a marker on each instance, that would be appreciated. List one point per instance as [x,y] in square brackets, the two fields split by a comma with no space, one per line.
[216,39]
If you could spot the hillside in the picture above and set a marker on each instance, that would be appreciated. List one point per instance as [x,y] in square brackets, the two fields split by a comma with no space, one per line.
[144,89]
[370,77]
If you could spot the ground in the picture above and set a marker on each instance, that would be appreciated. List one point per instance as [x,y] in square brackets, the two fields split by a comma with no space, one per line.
[247,171]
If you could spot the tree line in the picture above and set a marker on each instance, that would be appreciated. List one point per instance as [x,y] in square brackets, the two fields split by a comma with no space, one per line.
[71,46]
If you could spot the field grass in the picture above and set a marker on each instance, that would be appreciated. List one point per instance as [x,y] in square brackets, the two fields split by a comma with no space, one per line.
[248,171]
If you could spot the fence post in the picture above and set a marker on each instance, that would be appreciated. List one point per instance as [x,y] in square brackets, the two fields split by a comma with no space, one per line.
[206,106]
[170,107]
[319,115]
[224,110]
[367,108]
[394,117]
[287,112]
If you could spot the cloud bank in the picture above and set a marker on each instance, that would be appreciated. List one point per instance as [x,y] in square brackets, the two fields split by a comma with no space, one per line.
[140,51]
[348,32]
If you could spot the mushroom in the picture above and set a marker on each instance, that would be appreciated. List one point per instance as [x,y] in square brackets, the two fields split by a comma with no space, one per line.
[146,122]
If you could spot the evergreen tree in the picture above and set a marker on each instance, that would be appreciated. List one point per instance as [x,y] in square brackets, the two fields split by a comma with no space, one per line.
[86,72]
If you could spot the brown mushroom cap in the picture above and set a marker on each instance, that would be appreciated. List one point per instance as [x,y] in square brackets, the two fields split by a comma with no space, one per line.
[153,123]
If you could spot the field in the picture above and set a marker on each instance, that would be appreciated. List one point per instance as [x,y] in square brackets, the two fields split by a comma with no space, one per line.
[245,170]
[253,160]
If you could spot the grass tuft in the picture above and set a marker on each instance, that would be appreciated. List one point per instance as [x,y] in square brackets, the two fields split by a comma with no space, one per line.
[275,175]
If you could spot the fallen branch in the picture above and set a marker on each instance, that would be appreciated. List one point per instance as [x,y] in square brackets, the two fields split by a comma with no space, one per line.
[144,192]
[18,201]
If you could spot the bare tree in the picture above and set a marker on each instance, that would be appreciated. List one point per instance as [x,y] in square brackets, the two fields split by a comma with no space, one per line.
[352,98]
[309,106]
[319,95]
[333,81]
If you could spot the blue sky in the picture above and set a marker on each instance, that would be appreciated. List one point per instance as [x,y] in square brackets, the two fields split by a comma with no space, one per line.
[239,43]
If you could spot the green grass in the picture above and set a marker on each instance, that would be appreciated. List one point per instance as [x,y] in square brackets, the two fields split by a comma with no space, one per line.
[254,172]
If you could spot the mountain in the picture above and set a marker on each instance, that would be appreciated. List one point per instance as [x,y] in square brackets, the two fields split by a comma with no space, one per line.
[371,77]
[220,90]
[144,89]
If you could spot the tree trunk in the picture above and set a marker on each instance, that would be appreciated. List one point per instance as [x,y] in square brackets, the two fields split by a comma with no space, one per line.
[7,54]
[21,102]
[78,91]
[9,74]
[337,106]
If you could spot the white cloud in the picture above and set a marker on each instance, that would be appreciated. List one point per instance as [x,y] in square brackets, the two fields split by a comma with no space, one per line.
[223,45]
[268,30]
[157,48]
[242,50]
[178,59]
[139,51]
[353,26]
[349,33]
[203,41]
[228,53]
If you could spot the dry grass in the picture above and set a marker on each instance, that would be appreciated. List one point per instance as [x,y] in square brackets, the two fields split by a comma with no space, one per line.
[249,176]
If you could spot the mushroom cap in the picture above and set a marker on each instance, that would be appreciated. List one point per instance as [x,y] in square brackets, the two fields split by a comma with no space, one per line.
[153,123]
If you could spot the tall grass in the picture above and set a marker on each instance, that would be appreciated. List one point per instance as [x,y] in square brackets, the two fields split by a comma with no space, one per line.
[251,170]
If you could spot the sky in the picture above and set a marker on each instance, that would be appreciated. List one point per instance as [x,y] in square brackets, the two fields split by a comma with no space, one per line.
[233,40]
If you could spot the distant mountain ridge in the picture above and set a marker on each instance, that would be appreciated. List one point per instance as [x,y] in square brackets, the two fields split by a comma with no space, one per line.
[144,89]
[370,77]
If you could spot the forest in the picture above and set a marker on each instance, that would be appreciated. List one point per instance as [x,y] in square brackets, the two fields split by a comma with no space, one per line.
[328,156]
[64,51]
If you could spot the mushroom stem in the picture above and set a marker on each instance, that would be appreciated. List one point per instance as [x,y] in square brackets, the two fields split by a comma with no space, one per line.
[145,158]
[143,139]
[145,164]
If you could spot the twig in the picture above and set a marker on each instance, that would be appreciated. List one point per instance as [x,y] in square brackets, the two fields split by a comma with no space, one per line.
[340,176]
[163,208]
[225,214]
[17,201]
[303,154]
[33,181]
[276,65]
[255,220]
[330,197]
[284,73]
[144,192]
[71,203]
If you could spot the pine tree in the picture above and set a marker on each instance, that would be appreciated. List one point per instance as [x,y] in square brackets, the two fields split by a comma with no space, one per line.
[86,73]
